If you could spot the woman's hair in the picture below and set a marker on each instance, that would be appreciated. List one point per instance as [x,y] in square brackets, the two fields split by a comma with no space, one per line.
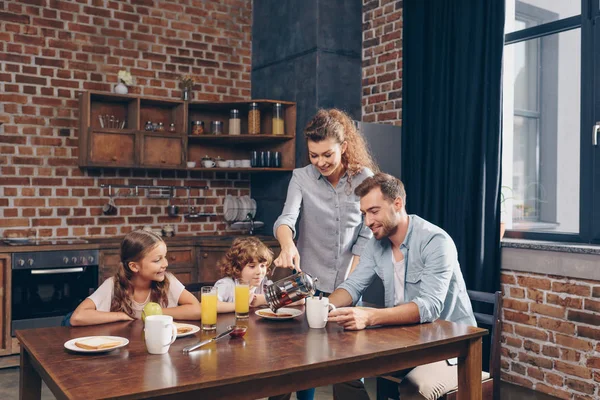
[134,248]
[244,251]
[337,125]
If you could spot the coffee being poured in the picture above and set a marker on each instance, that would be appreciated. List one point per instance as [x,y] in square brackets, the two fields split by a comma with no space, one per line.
[290,289]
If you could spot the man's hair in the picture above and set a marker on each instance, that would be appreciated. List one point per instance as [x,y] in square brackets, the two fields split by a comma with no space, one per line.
[390,186]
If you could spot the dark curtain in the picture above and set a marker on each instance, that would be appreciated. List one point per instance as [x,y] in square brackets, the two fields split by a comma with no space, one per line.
[451,141]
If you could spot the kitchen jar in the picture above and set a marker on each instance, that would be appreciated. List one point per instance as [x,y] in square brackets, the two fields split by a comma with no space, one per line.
[216,127]
[198,128]
[277,119]
[161,127]
[234,122]
[148,126]
[253,119]
[172,128]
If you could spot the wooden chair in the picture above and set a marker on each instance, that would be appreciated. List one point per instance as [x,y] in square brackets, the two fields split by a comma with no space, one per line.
[387,386]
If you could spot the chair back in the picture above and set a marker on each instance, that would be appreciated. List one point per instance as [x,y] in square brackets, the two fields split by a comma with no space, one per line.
[491,320]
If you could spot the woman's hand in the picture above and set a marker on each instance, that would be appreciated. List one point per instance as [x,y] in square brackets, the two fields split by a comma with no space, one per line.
[288,258]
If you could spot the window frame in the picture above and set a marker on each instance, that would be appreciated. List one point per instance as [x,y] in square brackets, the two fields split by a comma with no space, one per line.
[586,200]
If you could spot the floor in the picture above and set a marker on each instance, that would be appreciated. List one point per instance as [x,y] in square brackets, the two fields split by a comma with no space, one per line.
[9,389]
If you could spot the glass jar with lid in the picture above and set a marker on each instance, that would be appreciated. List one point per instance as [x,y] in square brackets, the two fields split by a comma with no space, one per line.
[234,122]
[160,127]
[172,128]
[216,127]
[198,128]
[149,126]
[253,119]
[278,119]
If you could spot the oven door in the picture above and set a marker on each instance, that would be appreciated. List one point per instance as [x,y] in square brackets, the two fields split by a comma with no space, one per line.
[42,297]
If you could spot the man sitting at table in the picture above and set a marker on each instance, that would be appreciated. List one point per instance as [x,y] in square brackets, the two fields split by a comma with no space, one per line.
[417,262]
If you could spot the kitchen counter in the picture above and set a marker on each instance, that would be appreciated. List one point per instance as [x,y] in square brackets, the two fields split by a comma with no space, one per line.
[115,242]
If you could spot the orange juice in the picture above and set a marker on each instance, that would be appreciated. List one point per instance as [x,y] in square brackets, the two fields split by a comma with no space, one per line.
[208,304]
[242,300]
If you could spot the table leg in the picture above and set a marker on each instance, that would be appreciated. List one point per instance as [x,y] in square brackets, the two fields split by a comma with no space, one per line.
[30,382]
[469,372]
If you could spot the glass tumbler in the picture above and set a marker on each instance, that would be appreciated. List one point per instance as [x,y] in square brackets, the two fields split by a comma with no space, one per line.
[208,306]
[242,299]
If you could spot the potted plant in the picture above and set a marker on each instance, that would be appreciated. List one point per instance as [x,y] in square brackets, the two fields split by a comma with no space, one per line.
[125,79]
[187,82]
[504,190]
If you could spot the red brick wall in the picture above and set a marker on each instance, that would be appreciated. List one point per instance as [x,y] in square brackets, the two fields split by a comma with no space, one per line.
[50,50]
[382,61]
[551,334]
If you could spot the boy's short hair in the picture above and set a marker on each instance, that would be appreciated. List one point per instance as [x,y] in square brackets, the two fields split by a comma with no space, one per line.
[244,251]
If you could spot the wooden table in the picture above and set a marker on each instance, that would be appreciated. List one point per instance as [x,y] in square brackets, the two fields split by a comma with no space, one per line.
[274,357]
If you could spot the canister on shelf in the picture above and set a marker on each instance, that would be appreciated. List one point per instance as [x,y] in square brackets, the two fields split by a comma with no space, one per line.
[234,122]
[172,128]
[198,128]
[216,127]
[161,127]
[254,119]
[149,126]
[277,119]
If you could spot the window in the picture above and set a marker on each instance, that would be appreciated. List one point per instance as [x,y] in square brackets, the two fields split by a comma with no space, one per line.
[547,164]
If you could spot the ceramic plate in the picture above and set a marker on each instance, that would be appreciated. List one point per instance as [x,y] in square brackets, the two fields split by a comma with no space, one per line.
[282,313]
[253,211]
[228,209]
[179,325]
[70,345]
[239,206]
[17,240]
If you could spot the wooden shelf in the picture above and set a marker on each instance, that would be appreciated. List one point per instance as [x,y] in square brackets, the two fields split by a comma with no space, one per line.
[239,169]
[241,139]
[134,147]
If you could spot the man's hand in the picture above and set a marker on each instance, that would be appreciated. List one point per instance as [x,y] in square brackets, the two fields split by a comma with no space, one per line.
[288,258]
[353,318]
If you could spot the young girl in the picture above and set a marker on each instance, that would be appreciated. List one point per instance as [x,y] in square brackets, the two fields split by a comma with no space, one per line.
[141,278]
[248,259]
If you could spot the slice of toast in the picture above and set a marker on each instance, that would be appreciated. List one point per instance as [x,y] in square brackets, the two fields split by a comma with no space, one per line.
[183,328]
[97,343]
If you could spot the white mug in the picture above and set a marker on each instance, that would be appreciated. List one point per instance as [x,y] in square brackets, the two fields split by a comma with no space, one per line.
[237,163]
[160,333]
[245,164]
[317,311]
[230,163]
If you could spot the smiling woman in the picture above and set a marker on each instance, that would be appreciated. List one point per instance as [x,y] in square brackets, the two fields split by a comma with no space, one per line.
[332,233]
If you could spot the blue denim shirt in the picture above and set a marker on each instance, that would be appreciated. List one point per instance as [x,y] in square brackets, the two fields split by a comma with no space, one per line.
[433,279]
[331,225]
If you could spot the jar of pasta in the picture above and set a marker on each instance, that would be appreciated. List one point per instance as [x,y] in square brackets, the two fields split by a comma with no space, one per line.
[254,119]
[277,119]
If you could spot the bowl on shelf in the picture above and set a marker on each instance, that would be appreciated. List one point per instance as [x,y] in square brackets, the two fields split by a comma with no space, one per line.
[191,164]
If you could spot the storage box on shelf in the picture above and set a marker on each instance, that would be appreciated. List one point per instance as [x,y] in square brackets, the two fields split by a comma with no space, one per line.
[113,133]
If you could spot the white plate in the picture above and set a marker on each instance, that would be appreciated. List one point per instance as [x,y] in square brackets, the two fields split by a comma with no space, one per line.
[180,325]
[229,211]
[70,345]
[253,207]
[288,313]
[239,206]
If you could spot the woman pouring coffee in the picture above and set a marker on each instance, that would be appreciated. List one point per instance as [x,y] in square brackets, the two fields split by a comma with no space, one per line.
[331,230]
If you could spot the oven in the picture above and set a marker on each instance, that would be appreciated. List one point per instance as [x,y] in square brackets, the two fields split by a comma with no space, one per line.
[47,285]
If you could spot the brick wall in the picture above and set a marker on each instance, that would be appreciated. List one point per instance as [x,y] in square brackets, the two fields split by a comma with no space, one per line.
[50,50]
[551,334]
[382,61]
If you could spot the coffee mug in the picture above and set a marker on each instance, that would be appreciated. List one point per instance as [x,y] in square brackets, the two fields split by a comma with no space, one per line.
[317,311]
[208,163]
[238,163]
[222,163]
[245,164]
[109,208]
[230,163]
[159,333]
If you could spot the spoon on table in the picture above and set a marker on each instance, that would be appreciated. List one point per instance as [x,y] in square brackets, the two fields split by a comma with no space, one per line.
[202,343]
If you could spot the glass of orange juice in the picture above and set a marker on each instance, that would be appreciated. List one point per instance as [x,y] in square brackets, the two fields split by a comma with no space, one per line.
[208,304]
[242,299]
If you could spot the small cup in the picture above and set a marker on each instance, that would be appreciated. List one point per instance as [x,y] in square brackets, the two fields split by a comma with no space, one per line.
[246,164]
[208,163]
[262,159]
[109,208]
[222,163]
[254,159]
[238,163]
[159,333]
[317,311]
[191,164]
[230,163]
[268,159]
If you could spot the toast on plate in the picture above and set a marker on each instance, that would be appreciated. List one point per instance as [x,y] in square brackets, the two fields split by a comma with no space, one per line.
[97,343]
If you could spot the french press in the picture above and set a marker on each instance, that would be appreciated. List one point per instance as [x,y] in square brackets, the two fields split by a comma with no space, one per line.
[290,289]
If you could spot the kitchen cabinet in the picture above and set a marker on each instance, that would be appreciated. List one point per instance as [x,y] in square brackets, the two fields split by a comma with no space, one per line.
[5,293]
[112,133]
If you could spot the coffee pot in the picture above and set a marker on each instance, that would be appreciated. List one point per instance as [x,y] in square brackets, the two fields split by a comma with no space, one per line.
[290,289]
